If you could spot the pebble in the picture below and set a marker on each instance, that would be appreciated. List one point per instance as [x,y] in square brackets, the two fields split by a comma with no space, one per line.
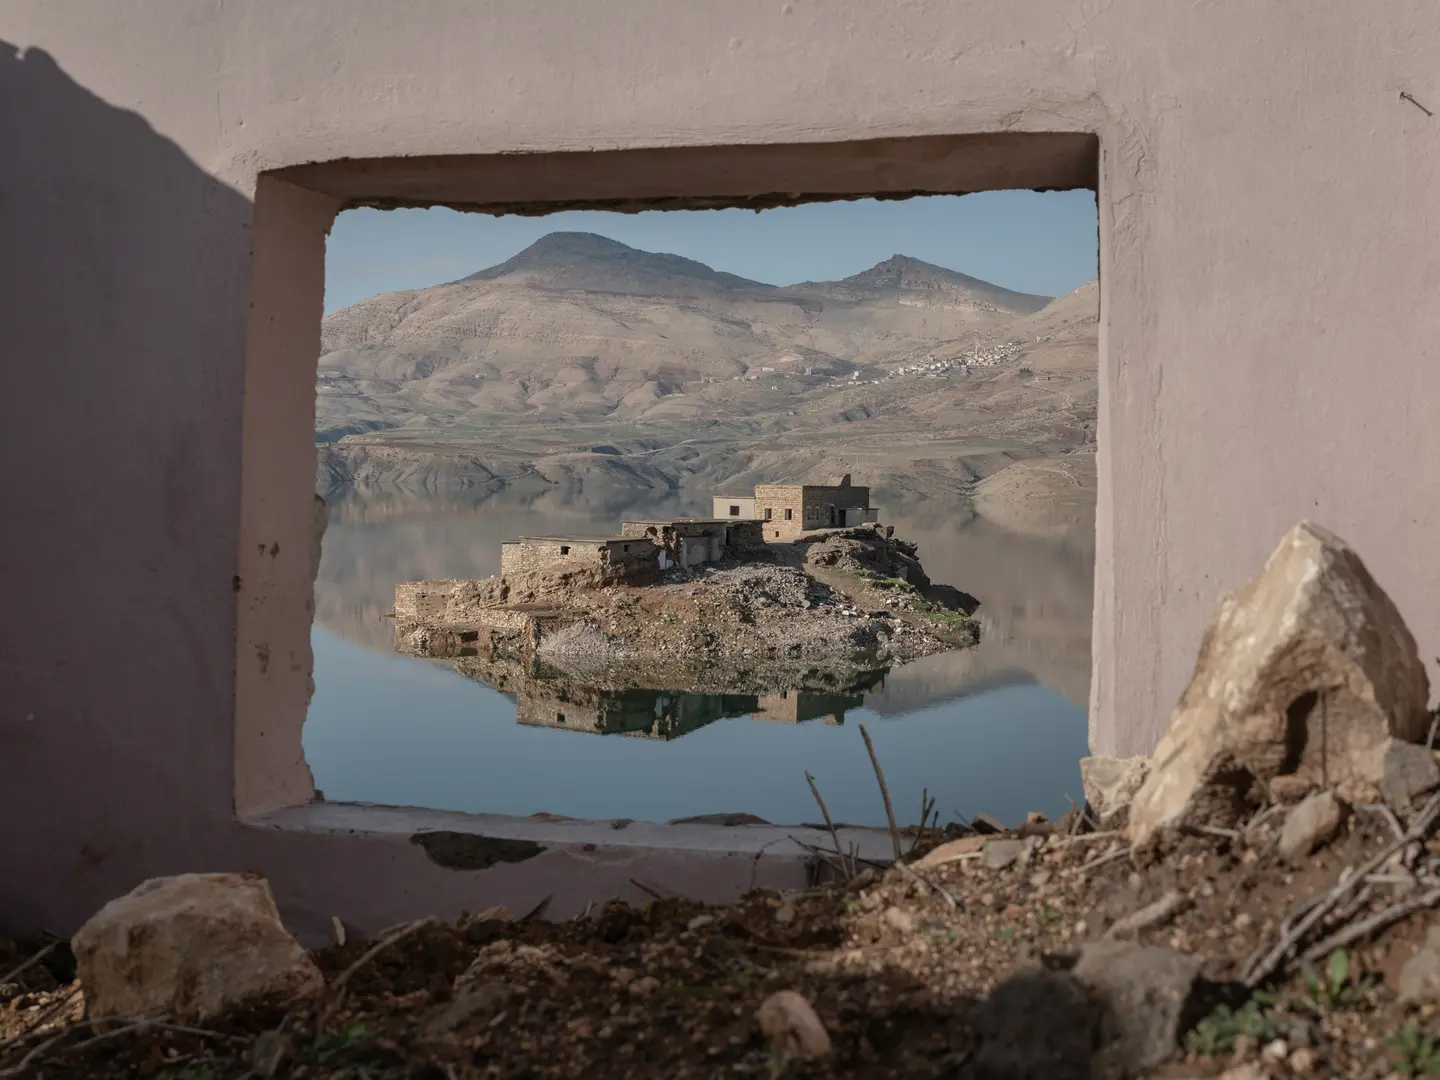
[1303,1061]
[900,920]
[699,922]
[1243,921]
[645,986]
[1276,1051]
[785,914]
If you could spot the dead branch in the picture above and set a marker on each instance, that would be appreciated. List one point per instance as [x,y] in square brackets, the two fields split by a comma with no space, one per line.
[646,889]
[1101,860]
[884,792]
[11,976]
[337,988]
[1291,936]
[1365,927]
[35,1052]
[834,832]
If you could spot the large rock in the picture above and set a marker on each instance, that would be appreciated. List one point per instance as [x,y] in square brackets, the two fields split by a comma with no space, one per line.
[1307,675]
[1151,995]
[1420,977]
[189,947]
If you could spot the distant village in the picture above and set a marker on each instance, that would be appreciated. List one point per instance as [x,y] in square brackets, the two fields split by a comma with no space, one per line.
[741,525]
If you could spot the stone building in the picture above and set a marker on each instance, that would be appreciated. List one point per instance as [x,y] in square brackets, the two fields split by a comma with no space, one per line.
[693,541]
[788,510]
[624,560]
[734,506]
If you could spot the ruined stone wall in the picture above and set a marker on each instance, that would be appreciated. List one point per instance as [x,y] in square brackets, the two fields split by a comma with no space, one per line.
[551,556]
[422,601]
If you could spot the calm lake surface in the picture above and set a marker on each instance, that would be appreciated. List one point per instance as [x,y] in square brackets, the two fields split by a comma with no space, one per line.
[998,729]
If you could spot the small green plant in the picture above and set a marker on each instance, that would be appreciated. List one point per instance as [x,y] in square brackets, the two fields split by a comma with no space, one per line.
[1335,987]
[326,1047]
[1414,1052]
[1257,1018]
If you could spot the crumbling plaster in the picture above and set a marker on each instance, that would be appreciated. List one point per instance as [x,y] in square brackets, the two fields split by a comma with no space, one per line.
[1267,216]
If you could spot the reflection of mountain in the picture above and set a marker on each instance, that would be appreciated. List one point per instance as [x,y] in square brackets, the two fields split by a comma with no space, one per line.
[1035,592]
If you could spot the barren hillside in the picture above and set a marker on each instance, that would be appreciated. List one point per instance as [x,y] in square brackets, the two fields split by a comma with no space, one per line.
[583,362]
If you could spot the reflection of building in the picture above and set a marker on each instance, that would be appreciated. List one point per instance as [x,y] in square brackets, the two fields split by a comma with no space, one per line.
[647,714]
[789,510]
[797,706]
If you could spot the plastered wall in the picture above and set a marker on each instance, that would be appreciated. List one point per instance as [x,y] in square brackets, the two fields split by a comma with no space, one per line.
[1268,211]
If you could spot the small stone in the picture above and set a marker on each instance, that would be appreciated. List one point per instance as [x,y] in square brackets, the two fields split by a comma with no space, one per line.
[950,851]
[900,920]
[1243,921]
[1276,1051]
[1310,824]
[984,823]
[998,854]
[1040,879]
[1420,976]
[792,1027]
[699,922]
[1245,1047]
[645,986]
[1410,771]
[1302,1062]
[1151,915]
[622,976]
[190,947]
[474,999]
[785,914]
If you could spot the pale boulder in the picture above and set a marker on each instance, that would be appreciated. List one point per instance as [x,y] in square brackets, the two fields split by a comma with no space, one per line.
[189,947]
[1307,674]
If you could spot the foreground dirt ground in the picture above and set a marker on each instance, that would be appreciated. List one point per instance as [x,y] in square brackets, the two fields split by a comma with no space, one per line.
[912,971]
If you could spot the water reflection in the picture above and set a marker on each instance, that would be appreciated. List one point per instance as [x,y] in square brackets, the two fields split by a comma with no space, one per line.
[999,728]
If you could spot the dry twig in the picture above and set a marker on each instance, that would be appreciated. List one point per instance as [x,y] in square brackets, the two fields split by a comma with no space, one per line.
[1291,935]
[11,976]
[337,988]
[884,792]
[834,833]
[1363,928]
[35,1052]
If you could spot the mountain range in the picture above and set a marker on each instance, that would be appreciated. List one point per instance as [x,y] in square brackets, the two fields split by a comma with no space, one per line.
[683,374]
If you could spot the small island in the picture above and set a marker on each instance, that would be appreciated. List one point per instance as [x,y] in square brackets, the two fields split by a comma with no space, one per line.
[794,588]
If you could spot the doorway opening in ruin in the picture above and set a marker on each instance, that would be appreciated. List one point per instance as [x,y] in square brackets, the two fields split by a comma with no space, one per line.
[505,396]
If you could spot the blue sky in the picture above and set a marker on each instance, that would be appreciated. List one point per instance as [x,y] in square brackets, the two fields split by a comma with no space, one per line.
[1022,240]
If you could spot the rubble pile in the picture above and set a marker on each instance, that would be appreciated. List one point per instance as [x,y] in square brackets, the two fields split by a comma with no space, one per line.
[1255,902]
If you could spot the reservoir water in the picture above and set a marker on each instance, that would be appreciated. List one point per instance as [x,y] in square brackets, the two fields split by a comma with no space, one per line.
[998,729]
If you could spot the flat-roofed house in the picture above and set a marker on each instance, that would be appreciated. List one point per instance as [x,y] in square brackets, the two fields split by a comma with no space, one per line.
[789,510]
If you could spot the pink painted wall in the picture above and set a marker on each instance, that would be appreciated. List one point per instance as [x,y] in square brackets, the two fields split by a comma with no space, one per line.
[1268,210]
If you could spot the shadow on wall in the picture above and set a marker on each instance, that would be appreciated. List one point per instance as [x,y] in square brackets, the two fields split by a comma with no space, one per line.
[123,306]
